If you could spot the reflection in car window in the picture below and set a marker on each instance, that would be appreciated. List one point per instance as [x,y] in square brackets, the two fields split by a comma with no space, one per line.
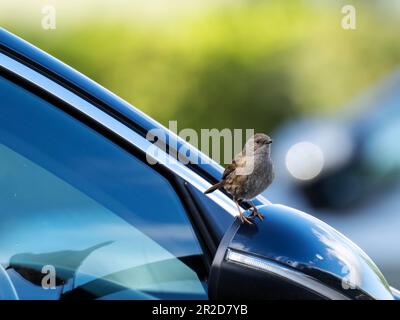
[110,225]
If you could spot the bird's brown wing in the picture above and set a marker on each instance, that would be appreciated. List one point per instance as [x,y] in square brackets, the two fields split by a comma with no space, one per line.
[229,169]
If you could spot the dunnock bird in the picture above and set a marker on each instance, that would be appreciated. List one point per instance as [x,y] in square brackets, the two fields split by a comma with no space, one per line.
[249,174]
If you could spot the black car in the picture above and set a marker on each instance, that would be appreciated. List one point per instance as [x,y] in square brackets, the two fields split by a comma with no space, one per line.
[83,215]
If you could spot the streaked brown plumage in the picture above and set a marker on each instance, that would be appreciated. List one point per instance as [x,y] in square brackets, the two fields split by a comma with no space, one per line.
[249,174]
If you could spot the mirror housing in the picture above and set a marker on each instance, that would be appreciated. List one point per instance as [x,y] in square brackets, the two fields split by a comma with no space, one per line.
[292,255]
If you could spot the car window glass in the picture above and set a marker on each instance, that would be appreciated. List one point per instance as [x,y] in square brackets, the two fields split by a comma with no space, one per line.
[71,200]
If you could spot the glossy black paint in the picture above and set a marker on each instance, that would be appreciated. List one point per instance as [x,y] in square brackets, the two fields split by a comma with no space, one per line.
[301,242]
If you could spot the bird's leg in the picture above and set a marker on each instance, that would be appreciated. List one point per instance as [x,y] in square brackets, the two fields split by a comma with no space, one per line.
[254,212]
[242,216]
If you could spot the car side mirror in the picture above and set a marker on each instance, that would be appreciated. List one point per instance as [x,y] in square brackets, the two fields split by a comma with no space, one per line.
[292,255]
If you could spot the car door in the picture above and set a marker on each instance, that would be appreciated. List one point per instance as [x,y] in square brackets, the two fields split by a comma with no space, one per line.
[82,215]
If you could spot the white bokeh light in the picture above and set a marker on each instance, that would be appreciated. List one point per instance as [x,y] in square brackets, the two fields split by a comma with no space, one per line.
[304,160]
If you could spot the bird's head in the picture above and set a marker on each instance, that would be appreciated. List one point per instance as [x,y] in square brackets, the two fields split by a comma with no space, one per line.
[260,142]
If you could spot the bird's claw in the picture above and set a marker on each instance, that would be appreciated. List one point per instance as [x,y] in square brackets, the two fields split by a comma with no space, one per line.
[260,216]
[255,213]
[244,219]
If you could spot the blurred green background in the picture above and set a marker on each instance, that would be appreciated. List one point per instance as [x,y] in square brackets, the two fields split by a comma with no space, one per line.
[217,64]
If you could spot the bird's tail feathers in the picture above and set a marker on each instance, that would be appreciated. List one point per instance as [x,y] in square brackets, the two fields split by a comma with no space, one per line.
[214,187]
